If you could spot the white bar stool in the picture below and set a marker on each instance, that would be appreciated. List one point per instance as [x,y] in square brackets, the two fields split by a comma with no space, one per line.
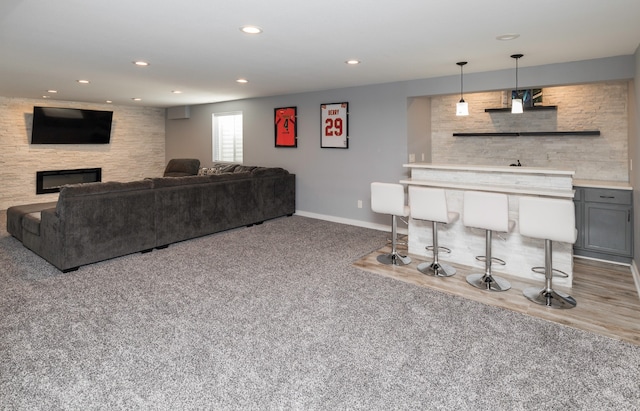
[430,204]
[490,212]
[388,198]
[549,219]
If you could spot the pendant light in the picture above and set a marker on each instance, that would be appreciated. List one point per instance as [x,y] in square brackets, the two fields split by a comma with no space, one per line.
[462,107]
[516,103]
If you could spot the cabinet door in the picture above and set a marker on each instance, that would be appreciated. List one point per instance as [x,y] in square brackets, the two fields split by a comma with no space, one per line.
[608,228]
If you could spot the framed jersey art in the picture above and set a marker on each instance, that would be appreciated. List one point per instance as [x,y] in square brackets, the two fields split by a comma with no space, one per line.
[286,128]
[334,123]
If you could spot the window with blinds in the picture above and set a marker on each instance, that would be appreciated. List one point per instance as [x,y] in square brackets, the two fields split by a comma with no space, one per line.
[227,137]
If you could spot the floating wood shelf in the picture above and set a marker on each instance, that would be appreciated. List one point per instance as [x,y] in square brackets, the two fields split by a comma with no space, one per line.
[508,109]
[530,133]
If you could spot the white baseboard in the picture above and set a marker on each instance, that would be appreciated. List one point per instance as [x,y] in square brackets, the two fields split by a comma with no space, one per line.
[357,223]
[601,260]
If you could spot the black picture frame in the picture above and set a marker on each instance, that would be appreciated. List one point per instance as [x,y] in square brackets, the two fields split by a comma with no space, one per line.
[334,125]
[285,126]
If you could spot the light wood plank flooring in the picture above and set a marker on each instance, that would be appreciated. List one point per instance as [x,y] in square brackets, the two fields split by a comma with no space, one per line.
[608,302]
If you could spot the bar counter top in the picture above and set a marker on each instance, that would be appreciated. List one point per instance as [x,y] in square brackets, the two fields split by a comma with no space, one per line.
[501,179]
[614,185]
[486,169]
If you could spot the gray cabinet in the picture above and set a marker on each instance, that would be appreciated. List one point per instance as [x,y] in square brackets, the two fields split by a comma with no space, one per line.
[604,218]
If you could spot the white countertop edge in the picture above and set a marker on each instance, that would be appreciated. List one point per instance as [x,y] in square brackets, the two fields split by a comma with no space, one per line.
[614,185]
[502,169]
[507,189]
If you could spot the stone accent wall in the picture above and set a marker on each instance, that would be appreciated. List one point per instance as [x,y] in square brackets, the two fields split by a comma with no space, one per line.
[601,106]
[136,151]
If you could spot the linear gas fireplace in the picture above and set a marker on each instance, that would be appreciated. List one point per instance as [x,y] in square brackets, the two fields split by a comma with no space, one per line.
[51,181]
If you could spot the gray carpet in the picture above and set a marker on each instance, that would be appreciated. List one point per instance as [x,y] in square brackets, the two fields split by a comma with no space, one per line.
[275,317]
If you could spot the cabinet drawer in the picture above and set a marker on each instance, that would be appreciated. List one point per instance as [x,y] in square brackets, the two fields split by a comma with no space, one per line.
[603,195]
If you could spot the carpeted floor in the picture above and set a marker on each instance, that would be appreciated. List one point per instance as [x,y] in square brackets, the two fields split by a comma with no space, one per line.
[275,317]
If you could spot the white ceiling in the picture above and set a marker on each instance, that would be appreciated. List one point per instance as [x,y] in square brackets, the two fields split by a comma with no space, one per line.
[196,46]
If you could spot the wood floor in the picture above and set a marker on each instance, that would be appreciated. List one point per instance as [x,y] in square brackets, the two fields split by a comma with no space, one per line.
[608,302]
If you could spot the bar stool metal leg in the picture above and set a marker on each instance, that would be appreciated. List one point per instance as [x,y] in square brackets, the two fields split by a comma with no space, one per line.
[436,268]
[547,295]
[487,281]
[394,258]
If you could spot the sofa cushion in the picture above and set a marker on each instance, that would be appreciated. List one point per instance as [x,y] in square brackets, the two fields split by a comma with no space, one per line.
[31,222]
[83,189]
[15,214]
[161,182]
[179,167]
[243,169]
[91,189]
[217,168]
[228,176]
[268,171]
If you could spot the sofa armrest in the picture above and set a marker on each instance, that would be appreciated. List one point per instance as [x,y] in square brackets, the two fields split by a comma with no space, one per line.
[47,240]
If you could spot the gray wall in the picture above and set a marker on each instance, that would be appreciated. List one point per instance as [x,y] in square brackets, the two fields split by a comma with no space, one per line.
[381,131]
[330,181]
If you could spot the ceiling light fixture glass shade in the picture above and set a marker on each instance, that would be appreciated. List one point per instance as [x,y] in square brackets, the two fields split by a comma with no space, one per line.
[462,107]
[516,103]
[516,106]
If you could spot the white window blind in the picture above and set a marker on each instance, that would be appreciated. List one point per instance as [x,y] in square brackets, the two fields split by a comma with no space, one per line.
[227,137]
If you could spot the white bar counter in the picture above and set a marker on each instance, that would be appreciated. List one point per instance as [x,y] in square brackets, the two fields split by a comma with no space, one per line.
[519,252]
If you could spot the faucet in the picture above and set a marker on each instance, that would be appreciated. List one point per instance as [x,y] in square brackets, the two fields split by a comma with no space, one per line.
[516,164]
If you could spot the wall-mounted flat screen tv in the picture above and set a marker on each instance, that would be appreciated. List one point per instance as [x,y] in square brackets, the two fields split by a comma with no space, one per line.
[54,125]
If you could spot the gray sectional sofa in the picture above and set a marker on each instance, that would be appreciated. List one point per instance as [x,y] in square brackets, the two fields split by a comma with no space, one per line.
[92,222]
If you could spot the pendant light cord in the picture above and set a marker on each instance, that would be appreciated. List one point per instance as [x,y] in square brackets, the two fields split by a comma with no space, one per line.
[461,64]
[461,83]
[517,94]
[517,57]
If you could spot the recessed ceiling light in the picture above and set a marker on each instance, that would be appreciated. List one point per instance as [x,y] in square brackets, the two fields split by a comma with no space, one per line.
[353,62]
[176,92]
[251,29]
[108,101]
[136,99]
[507,37]
[52,91]
[83,81]
[242,81]
[45,96]
[141,63]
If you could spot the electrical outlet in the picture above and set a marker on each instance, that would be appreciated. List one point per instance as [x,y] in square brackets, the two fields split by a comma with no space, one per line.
[422,156]
[412,158]
[359,203]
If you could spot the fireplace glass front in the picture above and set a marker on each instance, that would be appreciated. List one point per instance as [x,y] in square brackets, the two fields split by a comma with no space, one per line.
[51,181]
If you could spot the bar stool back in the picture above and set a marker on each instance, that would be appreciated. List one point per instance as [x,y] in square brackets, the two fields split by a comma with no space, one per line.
[490,212]
[430,204]
[388,198]
[549,219]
